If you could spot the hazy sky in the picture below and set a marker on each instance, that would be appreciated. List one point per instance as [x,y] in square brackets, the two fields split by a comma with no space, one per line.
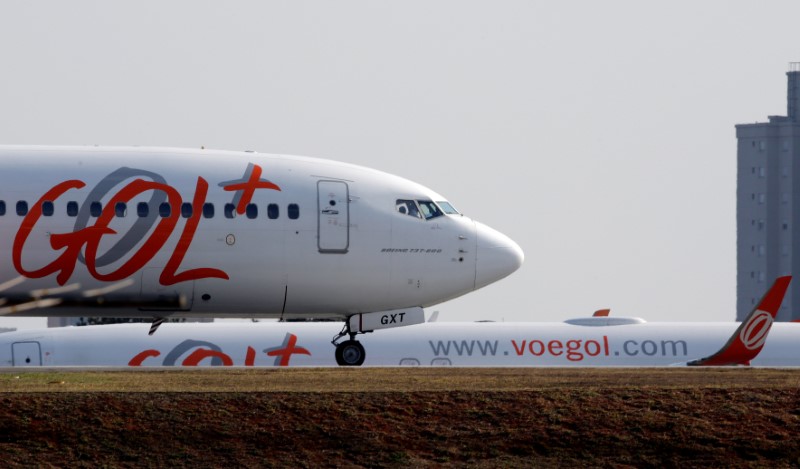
[598,135]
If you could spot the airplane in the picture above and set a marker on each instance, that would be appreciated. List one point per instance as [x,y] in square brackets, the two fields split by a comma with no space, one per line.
[161,233]
[588,342]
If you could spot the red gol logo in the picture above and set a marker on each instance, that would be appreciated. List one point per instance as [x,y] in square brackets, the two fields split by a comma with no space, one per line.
[754,333]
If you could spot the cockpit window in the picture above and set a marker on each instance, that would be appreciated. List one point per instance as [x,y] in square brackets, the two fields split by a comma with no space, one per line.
[447,208]
[429,209]
[422,209]
[407,207]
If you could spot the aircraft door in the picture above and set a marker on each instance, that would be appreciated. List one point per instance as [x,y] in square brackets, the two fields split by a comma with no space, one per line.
[26,354]
[333,211]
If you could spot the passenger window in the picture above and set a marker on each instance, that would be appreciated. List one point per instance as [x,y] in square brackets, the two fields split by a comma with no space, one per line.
[186,210]
[72,209]
[208,210]
[22,208]
[251,211]
[294,211]
[95,209]
[164,210]
[429,209]
[120,210]
[142,209]
[230,211]
[2,207]
[272,211]
[47,208]
[407,207]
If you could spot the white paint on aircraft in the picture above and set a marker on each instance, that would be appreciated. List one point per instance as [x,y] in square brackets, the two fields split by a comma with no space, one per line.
[431,344]
[156,232]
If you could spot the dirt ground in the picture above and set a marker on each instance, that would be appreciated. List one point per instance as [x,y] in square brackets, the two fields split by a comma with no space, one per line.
[401,417]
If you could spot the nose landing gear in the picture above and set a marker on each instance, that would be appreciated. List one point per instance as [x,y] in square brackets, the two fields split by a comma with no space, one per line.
[350,352]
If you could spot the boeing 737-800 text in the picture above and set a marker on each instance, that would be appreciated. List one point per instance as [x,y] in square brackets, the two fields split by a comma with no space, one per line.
[153,232]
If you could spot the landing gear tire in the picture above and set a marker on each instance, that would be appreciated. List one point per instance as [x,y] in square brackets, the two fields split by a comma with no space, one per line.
[350,353]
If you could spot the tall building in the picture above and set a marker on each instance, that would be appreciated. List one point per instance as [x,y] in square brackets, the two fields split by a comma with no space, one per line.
[767,192]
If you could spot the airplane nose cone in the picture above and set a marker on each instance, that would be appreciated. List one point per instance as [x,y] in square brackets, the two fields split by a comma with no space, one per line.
[497,256]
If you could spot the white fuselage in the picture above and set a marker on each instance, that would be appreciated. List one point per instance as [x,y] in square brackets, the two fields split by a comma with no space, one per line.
[431,344]
[232,234]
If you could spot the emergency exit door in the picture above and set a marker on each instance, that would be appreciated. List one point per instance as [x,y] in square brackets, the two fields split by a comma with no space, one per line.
[333,209]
